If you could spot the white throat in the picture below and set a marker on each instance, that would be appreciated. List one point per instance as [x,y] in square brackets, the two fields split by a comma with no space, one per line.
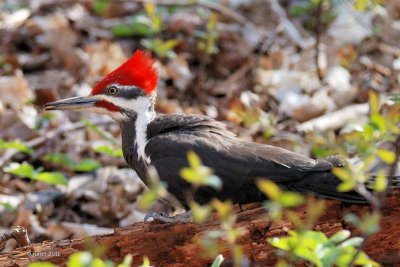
[142,106]
[142,121]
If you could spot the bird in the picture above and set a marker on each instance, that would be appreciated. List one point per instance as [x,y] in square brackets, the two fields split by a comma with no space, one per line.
[128,96]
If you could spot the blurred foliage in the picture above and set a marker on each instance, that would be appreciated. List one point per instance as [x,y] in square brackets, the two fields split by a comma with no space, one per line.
[100,6]
[379,128]
[144,25]
[161,48]
[314,12]
[316,248]
[156,189]
[254,116]
[87,259]
[210,241]
[368,224]
[320,13]
[84,165]
[218,261]
[367,4]
[108,150]
[199,175]
[339,250]
[207,41]
[17,145]
[25,170]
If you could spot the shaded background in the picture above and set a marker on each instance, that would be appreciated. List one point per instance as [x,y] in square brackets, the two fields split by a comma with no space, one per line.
[290,73]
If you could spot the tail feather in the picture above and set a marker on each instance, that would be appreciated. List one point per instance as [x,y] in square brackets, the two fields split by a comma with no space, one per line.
[324,185]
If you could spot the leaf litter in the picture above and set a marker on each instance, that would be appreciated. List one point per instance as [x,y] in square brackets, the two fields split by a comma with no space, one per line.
[256,73]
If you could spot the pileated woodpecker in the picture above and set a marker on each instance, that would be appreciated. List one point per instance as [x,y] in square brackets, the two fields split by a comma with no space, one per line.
[128,95]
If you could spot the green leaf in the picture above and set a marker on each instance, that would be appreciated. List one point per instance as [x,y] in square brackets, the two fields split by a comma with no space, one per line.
[269,188]
[59,159]
[100,6]
[342,173]
[352,218]
[41,264]
[274,209]
[160,47]
[194,160]
[86,165]
[200,213]
[189,175]
[54,178]
[381,182]
[218,261]
[156,189]
[108,150]
[80,259]
[147,199]
[339,236]
[27,171]
[353,242]
[290,199]
[213,181]
[377,121]
[363,260]
[23,170]
[370,224]
[8,206]
[127,262]
[141,26]
[199,175]
[156,19]
[373,102]
[347,186]
[224,209]
[281,243]
[17,145]
[386,156]
[146,262]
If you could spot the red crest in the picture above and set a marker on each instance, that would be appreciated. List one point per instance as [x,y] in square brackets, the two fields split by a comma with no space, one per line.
[138,71]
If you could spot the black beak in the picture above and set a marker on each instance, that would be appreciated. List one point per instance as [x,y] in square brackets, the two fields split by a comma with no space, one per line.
[74,103]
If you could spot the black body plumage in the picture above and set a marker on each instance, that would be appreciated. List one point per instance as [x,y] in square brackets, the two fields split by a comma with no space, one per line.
[237,163]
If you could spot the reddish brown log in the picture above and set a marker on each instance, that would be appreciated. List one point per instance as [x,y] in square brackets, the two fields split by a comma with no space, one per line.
[173,244]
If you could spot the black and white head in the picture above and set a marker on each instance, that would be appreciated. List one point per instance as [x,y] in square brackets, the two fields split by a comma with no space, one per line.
[128,91]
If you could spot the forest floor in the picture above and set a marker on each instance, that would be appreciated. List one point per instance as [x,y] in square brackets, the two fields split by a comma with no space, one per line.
[287,73]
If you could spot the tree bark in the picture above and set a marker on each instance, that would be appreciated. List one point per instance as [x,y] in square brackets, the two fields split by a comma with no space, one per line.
[174,244]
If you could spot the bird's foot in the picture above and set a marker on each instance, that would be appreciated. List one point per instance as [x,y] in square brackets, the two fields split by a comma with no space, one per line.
[164,217]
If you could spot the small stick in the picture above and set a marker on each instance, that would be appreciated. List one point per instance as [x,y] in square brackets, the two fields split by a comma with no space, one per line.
[19,233]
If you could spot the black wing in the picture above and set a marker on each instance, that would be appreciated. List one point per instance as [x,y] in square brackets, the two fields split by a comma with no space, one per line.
[237,163]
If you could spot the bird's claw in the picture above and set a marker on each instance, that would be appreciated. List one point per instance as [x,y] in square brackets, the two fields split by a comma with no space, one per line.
[164,217]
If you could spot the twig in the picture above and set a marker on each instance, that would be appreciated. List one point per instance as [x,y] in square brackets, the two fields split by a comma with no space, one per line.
[290,28]
[318,40]
[335,120]
[19,233]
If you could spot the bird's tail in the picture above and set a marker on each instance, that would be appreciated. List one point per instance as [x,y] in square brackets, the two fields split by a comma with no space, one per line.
[324,185]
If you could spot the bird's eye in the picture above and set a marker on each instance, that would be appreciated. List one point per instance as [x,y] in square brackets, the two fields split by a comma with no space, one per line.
[112,90]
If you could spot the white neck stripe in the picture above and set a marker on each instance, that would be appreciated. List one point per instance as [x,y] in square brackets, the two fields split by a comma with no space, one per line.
[141,106]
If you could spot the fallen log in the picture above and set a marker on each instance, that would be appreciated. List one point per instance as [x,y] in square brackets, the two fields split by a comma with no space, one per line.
[173,244]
